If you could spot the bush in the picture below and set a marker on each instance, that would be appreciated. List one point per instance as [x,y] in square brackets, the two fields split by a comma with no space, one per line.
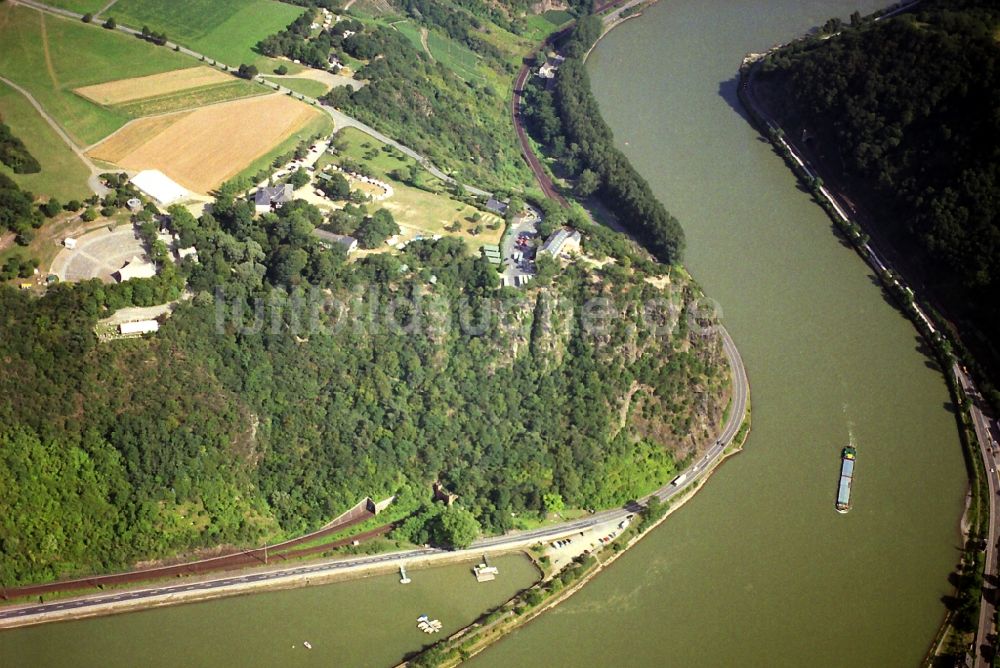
[51,208]
[89,215]
[88,17]
[281,70]
[111,24]
[73,205]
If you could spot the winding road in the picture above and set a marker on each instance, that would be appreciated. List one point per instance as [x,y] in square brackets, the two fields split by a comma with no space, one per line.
[340,119]
[43,612]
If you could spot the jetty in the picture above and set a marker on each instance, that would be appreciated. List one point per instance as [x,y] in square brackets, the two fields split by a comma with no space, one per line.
[484,572]
[403,578]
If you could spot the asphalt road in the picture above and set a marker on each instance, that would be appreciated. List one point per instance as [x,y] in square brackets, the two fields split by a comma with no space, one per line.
[508,541]
[340,119]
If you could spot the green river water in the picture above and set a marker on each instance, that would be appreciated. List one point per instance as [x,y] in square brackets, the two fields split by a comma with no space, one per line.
[367,622]
[758,569]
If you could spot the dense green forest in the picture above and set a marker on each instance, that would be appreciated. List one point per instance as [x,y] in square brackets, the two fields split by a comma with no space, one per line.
[905,111]
[567,120]
[295,383]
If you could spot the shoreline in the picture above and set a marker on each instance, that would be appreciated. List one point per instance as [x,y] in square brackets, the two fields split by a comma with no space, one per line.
[930,326]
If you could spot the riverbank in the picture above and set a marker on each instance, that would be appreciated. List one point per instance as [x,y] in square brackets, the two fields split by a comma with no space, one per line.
[978,522]
[519,611]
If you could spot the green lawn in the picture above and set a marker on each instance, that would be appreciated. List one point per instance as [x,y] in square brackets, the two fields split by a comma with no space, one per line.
[307,87]
[81,6]
[225,30]
[63,175]
[51,56]
[426,212]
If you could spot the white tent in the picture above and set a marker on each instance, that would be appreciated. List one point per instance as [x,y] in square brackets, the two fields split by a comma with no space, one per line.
[138,327]
[136,268]
[158,186]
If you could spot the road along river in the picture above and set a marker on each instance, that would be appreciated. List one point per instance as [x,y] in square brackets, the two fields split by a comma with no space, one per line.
[759,569]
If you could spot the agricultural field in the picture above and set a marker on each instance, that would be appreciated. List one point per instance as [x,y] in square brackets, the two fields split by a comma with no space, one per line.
[51,57]
[225,30]
[137,88]
[417,211]
[63,175]
[202,148]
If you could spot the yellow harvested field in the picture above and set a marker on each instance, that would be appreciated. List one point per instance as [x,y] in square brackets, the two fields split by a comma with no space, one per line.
[138,88]
[200,149]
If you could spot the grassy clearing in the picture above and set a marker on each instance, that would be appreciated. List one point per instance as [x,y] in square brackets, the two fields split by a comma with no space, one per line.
[557,17]
[63,174]
[52,56]
[81,6]
[307,87]
[424,213]
[225,30]
[457,57]
[192,98]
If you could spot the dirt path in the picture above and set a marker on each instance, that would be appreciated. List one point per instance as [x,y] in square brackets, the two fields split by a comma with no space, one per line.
[423,43]
[105,8]
[48,55]
[94,181]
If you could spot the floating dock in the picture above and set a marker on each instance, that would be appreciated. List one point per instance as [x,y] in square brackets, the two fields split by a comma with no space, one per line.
[484,572]
[847,459]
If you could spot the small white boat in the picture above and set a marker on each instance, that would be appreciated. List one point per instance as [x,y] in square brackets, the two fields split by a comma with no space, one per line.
[307,644]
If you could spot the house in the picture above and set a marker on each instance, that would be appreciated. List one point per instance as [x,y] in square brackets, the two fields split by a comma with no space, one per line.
[138,327]
[350,244]
[562,242]
[135,268]
[190,252]
[496,206]
[272,197]
[69,242]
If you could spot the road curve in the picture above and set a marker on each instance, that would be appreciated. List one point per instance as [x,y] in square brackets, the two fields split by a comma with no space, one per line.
[42,612]
[340,119]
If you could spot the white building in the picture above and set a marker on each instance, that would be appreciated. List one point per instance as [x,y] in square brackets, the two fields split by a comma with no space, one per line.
[135,268]
[158,186]
[138,328]
[69,242]
[562,242]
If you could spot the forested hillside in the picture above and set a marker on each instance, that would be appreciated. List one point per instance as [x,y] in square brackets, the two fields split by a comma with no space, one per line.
[905,112]
[265,406]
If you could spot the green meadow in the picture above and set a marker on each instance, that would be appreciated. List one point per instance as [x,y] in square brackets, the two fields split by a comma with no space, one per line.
[51,56]
[63,175]
[225,30]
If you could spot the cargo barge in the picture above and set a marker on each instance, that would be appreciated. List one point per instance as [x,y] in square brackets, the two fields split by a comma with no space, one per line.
[846,478]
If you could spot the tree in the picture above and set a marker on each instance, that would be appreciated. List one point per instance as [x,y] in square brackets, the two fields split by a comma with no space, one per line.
[376,229]
[281,70]
[111,24]
[456,528]
[587,183]
[337,187]
[299,178]
[88,17]
[248,71]
[553,502]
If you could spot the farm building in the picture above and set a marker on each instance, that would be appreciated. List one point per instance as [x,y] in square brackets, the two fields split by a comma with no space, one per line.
[350,244]
[562,242]
[272,197]
[135,268]
[159,187]
[138,328]
[492,253]
[496,206]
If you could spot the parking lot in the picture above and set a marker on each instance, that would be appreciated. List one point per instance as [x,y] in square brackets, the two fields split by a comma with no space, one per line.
[98,254]
[519,247]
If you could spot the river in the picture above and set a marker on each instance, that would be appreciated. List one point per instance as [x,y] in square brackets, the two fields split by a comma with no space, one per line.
[758,569]
[367,622]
